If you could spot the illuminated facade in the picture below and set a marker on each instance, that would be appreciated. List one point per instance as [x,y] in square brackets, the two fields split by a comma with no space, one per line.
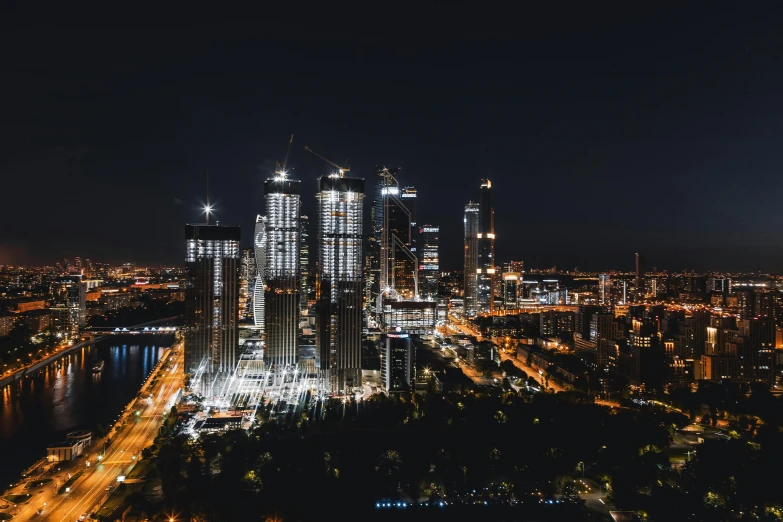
[281,273]
[414,317]
[398,363]
[409,196]
[605,288]
[247,276]
[259,245]
[485,270]
[429,262]
[471,222]
[384,181]
[71,292]
[339,289]
[211,302]
[304,261]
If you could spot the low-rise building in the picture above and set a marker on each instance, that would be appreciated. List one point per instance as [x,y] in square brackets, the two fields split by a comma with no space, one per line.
[64,451]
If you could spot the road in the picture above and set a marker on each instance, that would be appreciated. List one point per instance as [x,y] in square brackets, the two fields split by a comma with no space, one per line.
[529,370]
[144,418]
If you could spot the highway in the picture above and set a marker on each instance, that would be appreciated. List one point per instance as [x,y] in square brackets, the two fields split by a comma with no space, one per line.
[142,420]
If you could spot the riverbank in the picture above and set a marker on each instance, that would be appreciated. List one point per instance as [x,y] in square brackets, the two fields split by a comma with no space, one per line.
[19,374]
[119,449]
[49,359]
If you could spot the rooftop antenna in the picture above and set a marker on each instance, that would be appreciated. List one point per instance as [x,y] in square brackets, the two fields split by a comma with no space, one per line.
[280,171]
[207,207]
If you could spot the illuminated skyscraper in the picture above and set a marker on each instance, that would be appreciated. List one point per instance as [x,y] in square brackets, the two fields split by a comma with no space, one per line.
[639,272]
[339,288]
[304,261]
[398,265]
[605,288]
[486,249]
[211,302]
[281,273]
[409,195]
[247,276]
[259,299]
[384,182]
[471,258]
[429,262]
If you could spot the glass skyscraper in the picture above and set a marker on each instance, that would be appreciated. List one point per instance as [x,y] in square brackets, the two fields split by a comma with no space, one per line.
[486,249]
[429,262]
[471,222]
[259,244]
[281,273]
[339,290]
[211,302]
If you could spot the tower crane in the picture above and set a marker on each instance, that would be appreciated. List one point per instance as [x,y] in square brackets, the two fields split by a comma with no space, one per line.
[340,170]
[280,169]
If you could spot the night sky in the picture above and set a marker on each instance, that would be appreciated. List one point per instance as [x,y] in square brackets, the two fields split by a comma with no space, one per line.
[604,133]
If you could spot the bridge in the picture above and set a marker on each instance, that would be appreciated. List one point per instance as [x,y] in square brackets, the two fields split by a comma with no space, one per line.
[132,330]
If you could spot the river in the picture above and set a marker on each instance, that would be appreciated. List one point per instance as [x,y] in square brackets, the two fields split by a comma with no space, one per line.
[65,395]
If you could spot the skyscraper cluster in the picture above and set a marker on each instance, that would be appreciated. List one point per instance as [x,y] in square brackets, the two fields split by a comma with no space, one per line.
[402,263]
[282,285]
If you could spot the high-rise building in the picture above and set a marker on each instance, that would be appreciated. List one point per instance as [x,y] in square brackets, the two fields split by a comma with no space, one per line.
[398,363]
[471,221]
[384,182]
[398,264]
[605,289]
[211,302]
[281,273]
[259,298]
[247,275]
[485,270]
[339,288]
[304,261]
[71,292]
[639,272]
[409,196]
[510,286]
[429,262]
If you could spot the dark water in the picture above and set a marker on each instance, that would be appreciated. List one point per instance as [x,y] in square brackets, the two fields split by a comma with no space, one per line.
[41,409]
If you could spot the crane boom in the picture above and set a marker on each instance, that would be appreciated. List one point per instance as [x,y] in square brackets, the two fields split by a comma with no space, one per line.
[288,152]
[340,169]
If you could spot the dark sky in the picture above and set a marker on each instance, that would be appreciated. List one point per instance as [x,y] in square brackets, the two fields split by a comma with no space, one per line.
[604,133]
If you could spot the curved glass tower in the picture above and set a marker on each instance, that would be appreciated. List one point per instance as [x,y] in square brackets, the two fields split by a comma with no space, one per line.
[259,244]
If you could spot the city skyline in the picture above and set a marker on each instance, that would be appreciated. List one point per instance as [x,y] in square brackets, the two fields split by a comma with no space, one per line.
[571,125]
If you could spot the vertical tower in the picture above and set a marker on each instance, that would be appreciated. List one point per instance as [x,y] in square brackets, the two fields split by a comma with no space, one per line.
[259,244]
[429,261]
[339,289]
[486,249]
[471,258]
[247,276]
[304,261]
[605,288]
[639,272]
[281,314]
[384,183]
[211,302]
[409,196]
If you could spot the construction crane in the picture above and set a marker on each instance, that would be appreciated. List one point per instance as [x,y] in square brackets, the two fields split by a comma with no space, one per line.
[340,170]
[280,169]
